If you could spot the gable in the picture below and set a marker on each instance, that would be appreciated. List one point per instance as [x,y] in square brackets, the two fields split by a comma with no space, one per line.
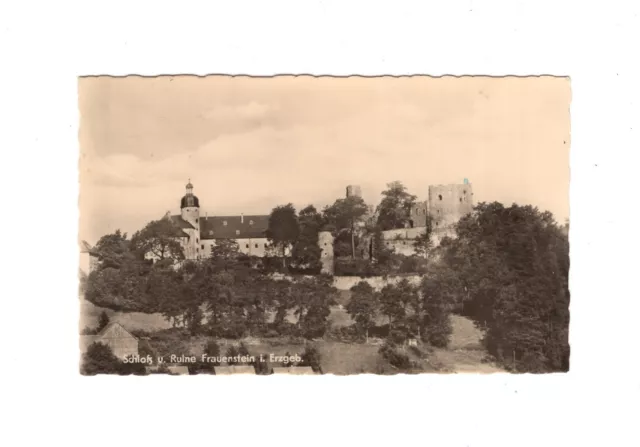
[114,330]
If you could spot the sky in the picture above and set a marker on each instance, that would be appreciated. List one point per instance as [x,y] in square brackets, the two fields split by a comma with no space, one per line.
[250,144]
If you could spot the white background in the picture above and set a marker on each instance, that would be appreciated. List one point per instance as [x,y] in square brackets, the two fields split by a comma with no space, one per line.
[44,46]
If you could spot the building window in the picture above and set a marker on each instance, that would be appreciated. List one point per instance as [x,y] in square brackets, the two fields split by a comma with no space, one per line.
[237,232]
[225,222]
[256,245]
[202,246]
[197,240]
[460,199]
[246,245]
[439,197]
[196,220]
[325,244]
[265,245]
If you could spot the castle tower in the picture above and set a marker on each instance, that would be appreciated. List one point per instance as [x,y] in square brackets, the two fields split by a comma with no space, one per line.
[190,207]
[354,191]
[325,242]
[449,203]
[190,212]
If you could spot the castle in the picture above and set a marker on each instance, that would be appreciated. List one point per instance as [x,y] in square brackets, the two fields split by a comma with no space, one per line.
[446,204]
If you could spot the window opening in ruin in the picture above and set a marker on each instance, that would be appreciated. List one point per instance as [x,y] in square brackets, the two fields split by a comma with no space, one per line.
[237,232]
[196,220]
[224,223]
[202,246]
[440,196]
[256,245]
[247,246]
[460,199]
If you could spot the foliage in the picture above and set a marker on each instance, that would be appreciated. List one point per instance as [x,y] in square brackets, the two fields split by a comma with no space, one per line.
[345,216]
[112,250]
[357,267]
[283,229]
[232,354]
[397,359]
[513,265]
[362,307]
[160,239]
[394,209]
[103,321]
[99,359]
[306,253]
[439,290]
[423,243]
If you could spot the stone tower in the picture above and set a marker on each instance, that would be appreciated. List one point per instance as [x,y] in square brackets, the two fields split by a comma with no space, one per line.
[354,190]
[190,212]
[449,203]
[325,242]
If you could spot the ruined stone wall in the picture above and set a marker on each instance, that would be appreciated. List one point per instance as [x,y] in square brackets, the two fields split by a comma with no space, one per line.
[325,242]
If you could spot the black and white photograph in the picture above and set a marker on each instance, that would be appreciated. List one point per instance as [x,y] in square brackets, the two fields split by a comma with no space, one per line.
[311,225]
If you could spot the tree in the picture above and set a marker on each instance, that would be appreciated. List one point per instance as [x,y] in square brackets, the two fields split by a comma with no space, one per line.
[112,250]
[306,253]
[423,243]
[311,357]
[382,255]
[362,307]
[160,239]
[513,266]
[99,359]
[439,289]
[395,207]
[283,229]
[232,355]
[103,321]
[345,215]
[395,303]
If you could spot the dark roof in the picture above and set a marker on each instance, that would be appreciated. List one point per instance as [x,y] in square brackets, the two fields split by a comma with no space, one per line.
[189,200]
[236,227]
[181,223]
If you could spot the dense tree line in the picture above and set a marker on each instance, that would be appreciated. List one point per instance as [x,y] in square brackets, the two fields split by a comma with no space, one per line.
[511,267]
[411,311]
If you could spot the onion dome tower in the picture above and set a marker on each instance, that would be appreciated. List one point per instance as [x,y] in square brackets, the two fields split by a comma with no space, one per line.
[190,206]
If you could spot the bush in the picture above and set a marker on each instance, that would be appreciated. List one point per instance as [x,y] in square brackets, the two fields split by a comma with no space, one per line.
[311,357]
[395,358]
[356,267]
[99,359]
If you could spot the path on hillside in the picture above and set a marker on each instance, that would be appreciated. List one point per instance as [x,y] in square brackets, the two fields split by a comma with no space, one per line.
[465,351]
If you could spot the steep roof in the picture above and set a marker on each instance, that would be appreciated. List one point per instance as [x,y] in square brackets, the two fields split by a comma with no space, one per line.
[181,223]
[233,227]
[117,326]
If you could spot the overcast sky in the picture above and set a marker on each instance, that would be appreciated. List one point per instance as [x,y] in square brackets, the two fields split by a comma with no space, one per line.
[249,144]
